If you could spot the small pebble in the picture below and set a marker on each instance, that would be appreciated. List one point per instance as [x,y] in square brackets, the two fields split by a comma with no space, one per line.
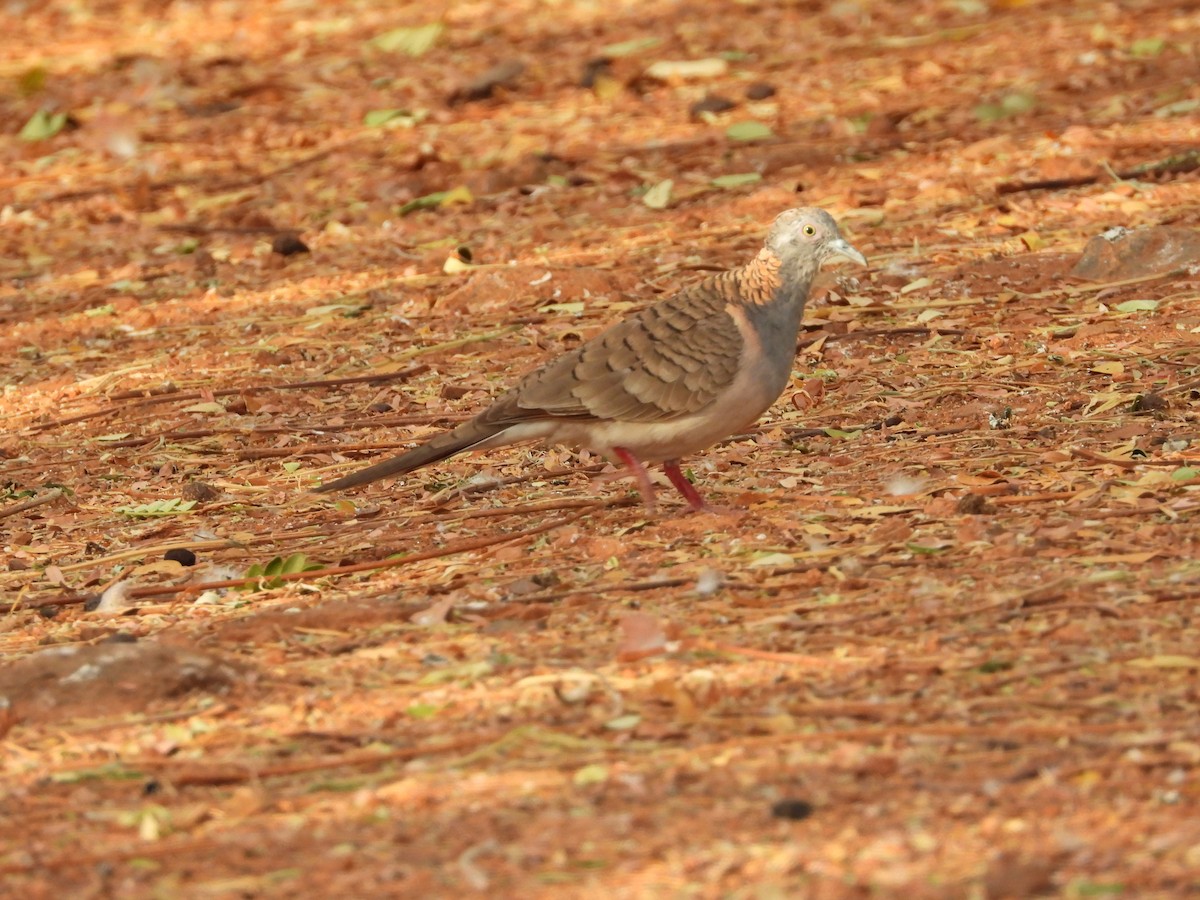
[288,245]
[711,104]
[181,555]
[792,809]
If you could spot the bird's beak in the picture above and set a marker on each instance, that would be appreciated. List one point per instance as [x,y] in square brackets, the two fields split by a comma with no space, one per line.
[842,247]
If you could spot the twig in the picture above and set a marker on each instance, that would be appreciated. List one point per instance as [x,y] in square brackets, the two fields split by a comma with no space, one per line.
[197,228]
[631,586]
[880,332]
[1096,457]
[1185,386]
[148,719]
[446,497]
[1071,290]
[1103,609]
[889,422]
[582,507]
[273,452]
[1178,164]
[448,550]
[48,497]
[1042,497]
[168,396]
[231,773]
[230,184]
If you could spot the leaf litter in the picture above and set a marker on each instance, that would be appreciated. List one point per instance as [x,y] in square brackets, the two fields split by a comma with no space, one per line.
[927,654]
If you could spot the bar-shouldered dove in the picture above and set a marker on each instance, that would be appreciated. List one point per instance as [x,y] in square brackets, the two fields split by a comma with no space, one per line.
[672,379]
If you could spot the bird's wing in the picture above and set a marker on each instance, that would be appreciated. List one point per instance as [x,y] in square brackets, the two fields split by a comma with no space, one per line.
[669,361]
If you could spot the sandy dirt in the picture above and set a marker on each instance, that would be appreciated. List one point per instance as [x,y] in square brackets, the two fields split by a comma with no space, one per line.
[941,644]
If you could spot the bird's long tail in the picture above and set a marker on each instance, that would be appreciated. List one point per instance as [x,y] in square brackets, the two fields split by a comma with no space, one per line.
[448,443]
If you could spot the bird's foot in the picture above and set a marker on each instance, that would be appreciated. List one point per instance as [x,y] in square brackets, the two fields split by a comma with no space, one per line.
[685,487]
[645,486]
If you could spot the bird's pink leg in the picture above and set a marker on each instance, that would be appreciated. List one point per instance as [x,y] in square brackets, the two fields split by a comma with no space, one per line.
[645,488]
[685,487]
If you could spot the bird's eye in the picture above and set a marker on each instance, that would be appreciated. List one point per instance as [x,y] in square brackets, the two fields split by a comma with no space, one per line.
[809,230]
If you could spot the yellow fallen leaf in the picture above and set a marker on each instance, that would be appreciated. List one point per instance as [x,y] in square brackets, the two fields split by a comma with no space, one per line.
[606,87]
[1131,558]
[977,480]
[209,407]
[678,70]
[1166,661]
[659,196]
[460,194]
[772,559]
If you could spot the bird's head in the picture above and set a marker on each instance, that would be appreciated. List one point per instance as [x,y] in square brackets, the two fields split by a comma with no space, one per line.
[809,236]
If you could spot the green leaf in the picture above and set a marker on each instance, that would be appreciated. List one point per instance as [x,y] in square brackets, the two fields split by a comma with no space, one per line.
[1094,889]
[291,467]
[466,673]
[109,772]
[860,124]
[731,181]
[994,665]
[377,117]
[924,549]
[575,308]
[623,723]
[106,310]
[32,81]
[127,285]
[1185,473]
[157,508]
[659,196]
[268,575]
[42,125]
[423,710]
[844,435]
[749,131]
[1137,306]
[460,194]
[595,773]
[1147,48]
[1178,108]
[394,118]
[1009,105]
[298,562]
[628,48]
[429,201]
[413,41]
[1018,102]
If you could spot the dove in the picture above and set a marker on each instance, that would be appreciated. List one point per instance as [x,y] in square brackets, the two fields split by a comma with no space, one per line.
[667,382]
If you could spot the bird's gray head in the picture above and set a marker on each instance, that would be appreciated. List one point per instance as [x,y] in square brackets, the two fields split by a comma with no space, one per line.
[807,237]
